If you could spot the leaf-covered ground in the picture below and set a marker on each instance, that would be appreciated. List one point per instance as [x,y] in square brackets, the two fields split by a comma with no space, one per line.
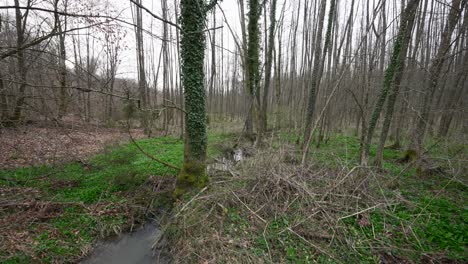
[34,145]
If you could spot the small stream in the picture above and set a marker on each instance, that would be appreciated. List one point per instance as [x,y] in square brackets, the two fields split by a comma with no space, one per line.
[129,248]
[136,247]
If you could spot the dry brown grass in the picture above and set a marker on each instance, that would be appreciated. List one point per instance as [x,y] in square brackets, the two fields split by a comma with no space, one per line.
[271,186]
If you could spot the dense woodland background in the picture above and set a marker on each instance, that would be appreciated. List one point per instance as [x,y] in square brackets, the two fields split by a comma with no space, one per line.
[349,118]
[61,59]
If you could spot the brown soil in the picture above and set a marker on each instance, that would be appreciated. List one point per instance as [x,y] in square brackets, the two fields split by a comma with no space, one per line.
[33,145]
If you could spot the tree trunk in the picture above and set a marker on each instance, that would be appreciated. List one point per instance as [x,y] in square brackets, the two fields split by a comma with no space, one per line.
[398,76]
[252,64]
[3,103]
[62,26]
[193,173]
[315,75]
[456,94]
[22,69]
[278,89]
[166,68]
[318,70]
[141,68]
[394,69]
[268,66]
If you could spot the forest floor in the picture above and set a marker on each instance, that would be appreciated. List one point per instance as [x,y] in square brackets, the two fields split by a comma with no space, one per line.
[270,209]
[264,209]
[55,212]
[38,145]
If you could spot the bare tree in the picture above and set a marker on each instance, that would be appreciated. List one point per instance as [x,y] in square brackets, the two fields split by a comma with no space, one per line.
[435,70]
[268,66]
[142,83]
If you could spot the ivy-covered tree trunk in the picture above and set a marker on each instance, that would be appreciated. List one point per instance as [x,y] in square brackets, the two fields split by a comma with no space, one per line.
[410,16]
[193,172]
[395,67]
[252,63]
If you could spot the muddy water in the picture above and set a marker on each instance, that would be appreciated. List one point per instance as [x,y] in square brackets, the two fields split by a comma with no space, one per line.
[129,248]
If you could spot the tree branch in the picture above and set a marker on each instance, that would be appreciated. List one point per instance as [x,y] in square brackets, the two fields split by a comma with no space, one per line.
[155,16]
[167,164]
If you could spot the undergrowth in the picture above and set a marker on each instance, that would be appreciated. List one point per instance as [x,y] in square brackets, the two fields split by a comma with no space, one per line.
[265,209]
[269,209]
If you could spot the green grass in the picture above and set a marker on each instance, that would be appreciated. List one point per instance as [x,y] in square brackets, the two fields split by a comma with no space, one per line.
[110,182]
[439,215]
[120,168]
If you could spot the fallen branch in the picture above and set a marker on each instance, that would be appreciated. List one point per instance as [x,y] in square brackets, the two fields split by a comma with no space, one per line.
[312,244]
[248,208]
[174,105]
[340,182]
[191,200]
[360,212]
